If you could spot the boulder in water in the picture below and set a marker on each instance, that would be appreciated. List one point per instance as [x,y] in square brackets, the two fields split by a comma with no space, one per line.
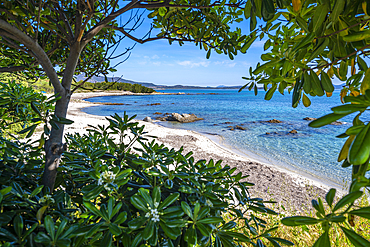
[272,121]
[183,118]
[148,119]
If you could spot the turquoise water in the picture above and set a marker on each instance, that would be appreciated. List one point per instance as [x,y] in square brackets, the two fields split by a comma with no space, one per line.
[311,151]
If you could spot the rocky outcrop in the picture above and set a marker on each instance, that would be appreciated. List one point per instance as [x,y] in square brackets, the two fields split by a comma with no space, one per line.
[239,127]
[182,118]
[293,132]
[148,119]
[309,118]
[272,121]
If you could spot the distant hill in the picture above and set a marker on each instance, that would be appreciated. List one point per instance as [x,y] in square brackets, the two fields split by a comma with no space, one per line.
[95,79]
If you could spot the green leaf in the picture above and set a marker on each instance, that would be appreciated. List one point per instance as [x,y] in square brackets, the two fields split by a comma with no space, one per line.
[265,66]
[329,198]
[337,10]
[18,225]
[348,108]
[149,230]
[36,191]
[114,229]
[323,240]
[121,218]
[171,232]
[145,194]
[362,212]
[325,120]
[187,209]
[270,92]
[319,16]
[247,9]
[316,84]
[211,220]
[359,150]
[92,208]
[299,220]
[306,101]
[362,64]
[326,83]
[107,240]
[137,223]
[49,226]
[139,203]
[365,85]
[156,194]
[347,199]
[356,239]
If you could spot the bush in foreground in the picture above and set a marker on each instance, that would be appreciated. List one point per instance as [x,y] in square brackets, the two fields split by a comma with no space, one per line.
[115,188]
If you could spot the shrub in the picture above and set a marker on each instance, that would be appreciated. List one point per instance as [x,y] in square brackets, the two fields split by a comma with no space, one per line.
[114,187]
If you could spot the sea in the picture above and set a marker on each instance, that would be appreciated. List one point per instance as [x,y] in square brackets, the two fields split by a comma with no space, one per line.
[311,151]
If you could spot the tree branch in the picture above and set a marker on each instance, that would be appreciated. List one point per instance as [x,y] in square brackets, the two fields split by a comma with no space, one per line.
[38,52]
[340,59]
[12,69]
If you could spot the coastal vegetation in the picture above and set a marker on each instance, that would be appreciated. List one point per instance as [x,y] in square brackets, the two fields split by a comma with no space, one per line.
[99,192]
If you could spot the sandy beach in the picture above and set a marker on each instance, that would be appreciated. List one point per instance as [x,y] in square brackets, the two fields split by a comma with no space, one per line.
[292,190]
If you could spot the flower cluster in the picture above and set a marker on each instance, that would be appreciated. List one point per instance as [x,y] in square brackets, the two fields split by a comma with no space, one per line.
[106,178]
[154,214]
[46,198]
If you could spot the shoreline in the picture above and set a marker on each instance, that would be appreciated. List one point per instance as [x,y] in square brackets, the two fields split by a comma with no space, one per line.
[290,189]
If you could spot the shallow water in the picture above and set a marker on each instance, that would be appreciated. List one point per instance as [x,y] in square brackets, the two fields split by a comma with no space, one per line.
[312,151]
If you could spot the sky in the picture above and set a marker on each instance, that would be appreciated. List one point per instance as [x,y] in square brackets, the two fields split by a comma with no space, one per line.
[160,63]
[164,64]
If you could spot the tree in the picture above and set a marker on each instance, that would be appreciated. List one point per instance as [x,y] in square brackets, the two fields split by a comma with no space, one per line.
[58,39]
[308,43]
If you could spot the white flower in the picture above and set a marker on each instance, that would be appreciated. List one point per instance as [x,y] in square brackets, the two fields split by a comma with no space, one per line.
[196,178]
[46,198]
[209,203]
[147,215]
[106,187]
[100,181]
[156,204]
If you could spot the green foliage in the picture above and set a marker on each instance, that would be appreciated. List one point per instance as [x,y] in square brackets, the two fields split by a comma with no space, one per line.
[116,188]
[316,42]
[135,88]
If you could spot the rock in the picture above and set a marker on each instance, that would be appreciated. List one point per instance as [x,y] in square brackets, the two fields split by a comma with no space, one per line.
[239,127]
[161,118]
[309,118]
[154,104]
[232,128]
[157,113]
[228,122]
[268,133]
[183,118]
[148,119]
[272,121]
[336,123]
[293,132]
[215,124]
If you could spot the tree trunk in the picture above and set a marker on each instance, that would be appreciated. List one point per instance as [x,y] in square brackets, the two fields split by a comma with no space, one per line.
[54,146]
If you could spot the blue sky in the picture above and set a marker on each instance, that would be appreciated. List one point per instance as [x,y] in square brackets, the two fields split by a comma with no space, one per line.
[164,64]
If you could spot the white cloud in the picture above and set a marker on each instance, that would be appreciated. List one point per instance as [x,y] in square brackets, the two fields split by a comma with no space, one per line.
[258,43]
[229,64]
[156,63]
[155,57]
[192,64]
